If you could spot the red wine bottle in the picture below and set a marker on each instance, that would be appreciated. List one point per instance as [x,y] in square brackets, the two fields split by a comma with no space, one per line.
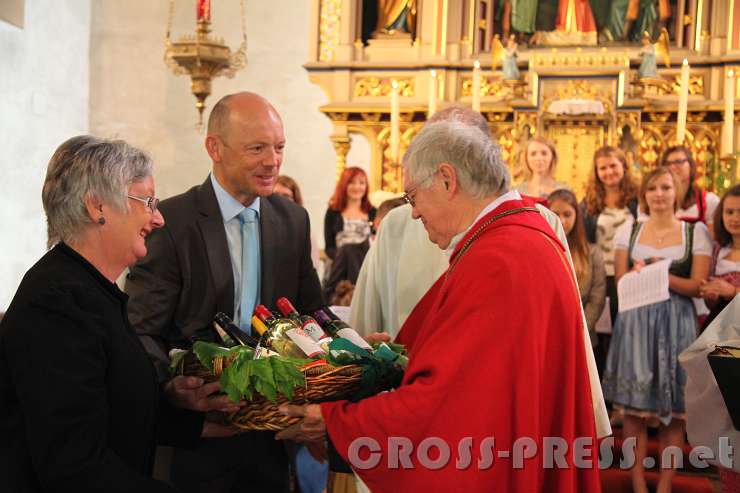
[337,328]
[307,323]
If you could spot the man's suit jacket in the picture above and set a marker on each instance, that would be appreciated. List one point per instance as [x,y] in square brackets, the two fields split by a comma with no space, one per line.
[187,277]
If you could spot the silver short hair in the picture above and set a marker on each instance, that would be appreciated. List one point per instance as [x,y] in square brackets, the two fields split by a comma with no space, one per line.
[84,167]
[480,168]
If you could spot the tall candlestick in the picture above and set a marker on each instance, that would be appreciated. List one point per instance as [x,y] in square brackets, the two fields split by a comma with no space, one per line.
[203,10]
[395,122]
[476,86]
[729,123]
[432,93]
[683,102]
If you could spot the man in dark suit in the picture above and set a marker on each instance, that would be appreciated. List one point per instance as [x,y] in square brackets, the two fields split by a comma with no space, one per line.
[206,260]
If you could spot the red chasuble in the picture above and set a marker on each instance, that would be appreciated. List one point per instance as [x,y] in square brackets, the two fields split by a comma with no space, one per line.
[496,365]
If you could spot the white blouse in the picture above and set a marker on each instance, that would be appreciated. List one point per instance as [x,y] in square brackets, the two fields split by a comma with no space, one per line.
[725,266]
[702,244]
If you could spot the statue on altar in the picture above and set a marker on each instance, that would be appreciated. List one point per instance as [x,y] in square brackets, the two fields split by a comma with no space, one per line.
[628,19]
[396,16]
[574,25]
[506,56]
[649,55]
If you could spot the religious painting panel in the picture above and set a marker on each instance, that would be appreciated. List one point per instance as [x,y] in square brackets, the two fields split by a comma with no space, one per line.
[576,144]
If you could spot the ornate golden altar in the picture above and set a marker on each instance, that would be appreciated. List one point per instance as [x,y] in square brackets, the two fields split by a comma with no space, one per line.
[635,114]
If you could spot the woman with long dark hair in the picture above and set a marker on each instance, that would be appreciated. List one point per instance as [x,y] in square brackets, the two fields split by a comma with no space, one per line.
[724,284]
[694,204]
[587,259]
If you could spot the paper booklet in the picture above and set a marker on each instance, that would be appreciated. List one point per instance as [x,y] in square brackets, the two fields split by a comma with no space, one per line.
[650,285]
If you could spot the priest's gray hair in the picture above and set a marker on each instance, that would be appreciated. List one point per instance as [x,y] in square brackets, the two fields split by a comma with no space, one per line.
[481,170]
[88,167]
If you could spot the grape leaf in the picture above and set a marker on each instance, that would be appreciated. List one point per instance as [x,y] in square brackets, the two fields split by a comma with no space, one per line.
[207,351]
[263,378]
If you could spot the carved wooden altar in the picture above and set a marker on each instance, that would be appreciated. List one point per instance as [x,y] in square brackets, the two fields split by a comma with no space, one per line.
[638,115]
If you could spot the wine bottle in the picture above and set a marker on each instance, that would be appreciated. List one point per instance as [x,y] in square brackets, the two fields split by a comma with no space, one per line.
[307,323]
[285,336]
[229,333]
[337,328]
[260,328]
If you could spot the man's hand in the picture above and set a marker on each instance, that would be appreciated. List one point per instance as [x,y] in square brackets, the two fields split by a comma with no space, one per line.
[378,337]
[192,393]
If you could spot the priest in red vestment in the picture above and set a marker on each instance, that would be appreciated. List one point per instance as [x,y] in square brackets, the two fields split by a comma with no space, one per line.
[496,395]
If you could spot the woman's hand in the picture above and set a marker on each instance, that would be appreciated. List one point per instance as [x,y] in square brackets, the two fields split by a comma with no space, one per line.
[637,265]
[194,394]
[378,337]
[715,288]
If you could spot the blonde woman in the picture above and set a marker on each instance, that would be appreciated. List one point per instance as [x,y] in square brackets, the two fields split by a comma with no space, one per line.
[642,376]
[540,159]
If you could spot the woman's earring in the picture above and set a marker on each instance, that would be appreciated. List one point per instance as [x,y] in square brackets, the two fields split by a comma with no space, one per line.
[101,220]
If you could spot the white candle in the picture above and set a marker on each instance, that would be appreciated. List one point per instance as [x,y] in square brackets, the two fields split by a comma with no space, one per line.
[728,126]
[395,122]
[683,102]
[432,93]
[476,86]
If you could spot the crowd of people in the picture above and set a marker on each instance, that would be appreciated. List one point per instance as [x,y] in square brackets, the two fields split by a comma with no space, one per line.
[85,383]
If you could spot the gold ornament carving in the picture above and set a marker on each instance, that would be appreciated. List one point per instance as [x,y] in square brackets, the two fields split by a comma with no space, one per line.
[371,117]
[488,87]
[376,87]
[627,119]
[341,147]
[696,85]
[496,117]
[338,116]
[659,116]
[329,29]
[696,116]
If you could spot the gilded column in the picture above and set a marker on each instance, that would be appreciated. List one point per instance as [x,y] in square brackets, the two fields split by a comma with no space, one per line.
[341,147]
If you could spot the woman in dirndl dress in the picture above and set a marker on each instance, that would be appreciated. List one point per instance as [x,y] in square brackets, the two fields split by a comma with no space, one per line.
[642,375]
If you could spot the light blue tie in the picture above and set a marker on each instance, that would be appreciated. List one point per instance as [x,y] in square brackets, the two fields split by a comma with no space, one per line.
[250,287]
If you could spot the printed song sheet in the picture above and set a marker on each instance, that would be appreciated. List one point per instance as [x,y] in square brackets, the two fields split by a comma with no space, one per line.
[646,287]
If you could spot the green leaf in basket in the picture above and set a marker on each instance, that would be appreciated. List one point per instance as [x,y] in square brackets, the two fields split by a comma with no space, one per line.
[287,376]
[206,351]
[235,379]
[263,378]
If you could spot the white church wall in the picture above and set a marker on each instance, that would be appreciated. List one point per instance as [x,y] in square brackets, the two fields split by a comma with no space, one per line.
[44,99]
[134,96]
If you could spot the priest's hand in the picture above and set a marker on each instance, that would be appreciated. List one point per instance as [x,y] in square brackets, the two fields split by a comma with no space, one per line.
[194,394]
[311,429]
[378,337]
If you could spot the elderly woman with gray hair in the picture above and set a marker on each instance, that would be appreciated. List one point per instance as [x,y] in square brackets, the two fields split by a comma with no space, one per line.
[82,409]
[496,346]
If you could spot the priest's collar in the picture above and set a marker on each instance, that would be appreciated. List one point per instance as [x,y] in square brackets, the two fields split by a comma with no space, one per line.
[511,195]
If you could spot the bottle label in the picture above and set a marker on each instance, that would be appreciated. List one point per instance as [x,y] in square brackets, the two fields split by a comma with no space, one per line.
[315,332]
[304,342]
[263,352]
[352,336]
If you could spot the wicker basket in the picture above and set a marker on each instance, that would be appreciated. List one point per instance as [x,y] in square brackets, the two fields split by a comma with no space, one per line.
[323,383]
